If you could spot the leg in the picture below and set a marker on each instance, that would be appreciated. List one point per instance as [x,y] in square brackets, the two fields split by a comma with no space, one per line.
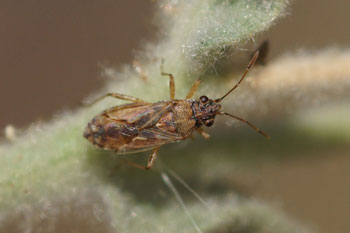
[150,161]
[203,133]
[118,96]
[130,163]
[152,158]
[138,68]
[171,81]
[193,89]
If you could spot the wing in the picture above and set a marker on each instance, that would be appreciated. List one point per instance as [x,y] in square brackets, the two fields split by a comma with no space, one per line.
[140,115]
[136,127]
[149,139]
[144,118]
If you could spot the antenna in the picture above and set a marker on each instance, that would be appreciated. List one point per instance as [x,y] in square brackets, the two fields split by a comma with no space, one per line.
[247,122]
[251,63]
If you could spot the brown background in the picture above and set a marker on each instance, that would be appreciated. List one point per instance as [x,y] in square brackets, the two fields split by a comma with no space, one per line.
[50,53]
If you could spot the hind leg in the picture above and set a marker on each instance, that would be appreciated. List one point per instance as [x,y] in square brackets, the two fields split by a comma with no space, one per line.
[152,158]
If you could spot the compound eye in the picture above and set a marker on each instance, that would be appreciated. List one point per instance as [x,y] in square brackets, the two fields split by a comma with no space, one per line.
[204,99]
[209,123]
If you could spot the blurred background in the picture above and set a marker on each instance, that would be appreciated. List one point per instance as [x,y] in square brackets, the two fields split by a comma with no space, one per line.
[51,54]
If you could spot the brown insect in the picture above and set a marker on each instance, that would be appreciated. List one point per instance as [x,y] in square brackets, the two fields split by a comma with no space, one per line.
[142,126]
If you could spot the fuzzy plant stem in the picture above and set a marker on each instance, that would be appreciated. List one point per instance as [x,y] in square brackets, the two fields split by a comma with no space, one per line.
[53,180]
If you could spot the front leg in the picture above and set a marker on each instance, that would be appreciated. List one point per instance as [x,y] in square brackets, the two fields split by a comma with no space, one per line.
[203,133]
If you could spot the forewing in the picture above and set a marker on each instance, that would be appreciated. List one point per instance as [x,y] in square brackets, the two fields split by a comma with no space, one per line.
[139,114]
[149,139]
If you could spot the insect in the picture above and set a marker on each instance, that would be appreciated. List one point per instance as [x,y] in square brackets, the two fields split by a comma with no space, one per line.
[142,126]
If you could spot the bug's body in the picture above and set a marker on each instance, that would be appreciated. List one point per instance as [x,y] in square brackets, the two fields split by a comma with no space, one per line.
[138,127]
[142,126]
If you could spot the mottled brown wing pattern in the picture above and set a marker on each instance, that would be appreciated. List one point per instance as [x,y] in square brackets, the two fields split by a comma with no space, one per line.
[148,139]
[132,127]
[133,112]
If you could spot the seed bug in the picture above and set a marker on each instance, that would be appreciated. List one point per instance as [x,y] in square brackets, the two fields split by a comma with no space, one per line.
[142,126]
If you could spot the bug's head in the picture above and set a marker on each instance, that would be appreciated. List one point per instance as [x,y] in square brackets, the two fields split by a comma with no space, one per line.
[208,109]
[212,107]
